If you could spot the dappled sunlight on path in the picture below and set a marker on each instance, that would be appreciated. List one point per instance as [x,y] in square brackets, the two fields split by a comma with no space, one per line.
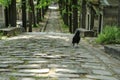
[51,56]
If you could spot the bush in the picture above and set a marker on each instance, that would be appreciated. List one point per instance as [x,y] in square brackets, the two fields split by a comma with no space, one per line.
[109,35]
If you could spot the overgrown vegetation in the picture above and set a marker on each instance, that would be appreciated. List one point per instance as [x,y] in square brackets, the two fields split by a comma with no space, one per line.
[109,35]
[1,35]
[65,28]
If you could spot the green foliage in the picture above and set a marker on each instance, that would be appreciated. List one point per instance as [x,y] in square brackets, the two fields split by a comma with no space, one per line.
[69,4]
[43,3]
[110,34]
[65,28]
[35,26]
[5,2]
[118,36]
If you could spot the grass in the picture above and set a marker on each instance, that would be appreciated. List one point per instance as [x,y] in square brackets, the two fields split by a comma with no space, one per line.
[65,28]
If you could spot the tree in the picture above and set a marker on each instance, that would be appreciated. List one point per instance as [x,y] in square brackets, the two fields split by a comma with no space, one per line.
[5,3]
[6,16]
[65,15]
[119,14]
[24,14]
[83,15]
[33,13]
[30,15]
[70,16]
[75,15]
[12,13]
[38,12]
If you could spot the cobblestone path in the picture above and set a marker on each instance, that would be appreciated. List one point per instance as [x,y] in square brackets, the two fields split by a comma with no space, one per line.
[53,23]
[49,56]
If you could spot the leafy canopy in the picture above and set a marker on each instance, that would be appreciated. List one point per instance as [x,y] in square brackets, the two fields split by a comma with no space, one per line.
[5,2]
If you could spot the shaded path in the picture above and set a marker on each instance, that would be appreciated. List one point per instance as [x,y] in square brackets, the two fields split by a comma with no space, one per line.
[53,23]
[49,56]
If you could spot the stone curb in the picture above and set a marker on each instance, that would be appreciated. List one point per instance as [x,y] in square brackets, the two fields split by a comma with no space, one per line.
[113,50]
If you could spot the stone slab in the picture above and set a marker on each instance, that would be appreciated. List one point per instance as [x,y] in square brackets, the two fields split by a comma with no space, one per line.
[28,66]
[4,78]
[61,75]
[4,66]
[11,62]
[57,66]
[72,71]
[5,70]
[82,79]
[93,66]
[64,79]
[100,77]
[117,70]
[37,62]
[26,79]
[40,71]
[102,72]
[52,57]
[21,74]
[113,50]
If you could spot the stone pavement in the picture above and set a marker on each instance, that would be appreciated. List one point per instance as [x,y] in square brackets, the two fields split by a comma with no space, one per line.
[53,22]
[50,56]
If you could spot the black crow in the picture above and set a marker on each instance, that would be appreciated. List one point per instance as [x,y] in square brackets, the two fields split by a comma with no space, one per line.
[76,37]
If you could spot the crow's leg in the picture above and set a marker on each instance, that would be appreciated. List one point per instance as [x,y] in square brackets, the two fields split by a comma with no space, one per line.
[77,45]
[73,44]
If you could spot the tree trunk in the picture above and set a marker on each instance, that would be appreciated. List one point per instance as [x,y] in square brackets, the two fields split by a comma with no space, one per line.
[12,13]
[24,15]
[60,6]
[6,17]
[30,21]
[70,17]
[30,16]
[43,12]
[38,13]
[75,15]
[119,14]
[83,21]
[33,13]
[66,13]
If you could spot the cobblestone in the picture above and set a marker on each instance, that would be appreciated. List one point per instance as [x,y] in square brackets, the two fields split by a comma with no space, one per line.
[40,71]
[65,75]
[82,71]
[101,77]
[3,66]
[26,79]
[102,72]
[28,66]
[61,63]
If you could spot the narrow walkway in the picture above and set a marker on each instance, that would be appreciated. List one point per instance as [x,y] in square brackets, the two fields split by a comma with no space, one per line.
[50,56]
[54,23]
